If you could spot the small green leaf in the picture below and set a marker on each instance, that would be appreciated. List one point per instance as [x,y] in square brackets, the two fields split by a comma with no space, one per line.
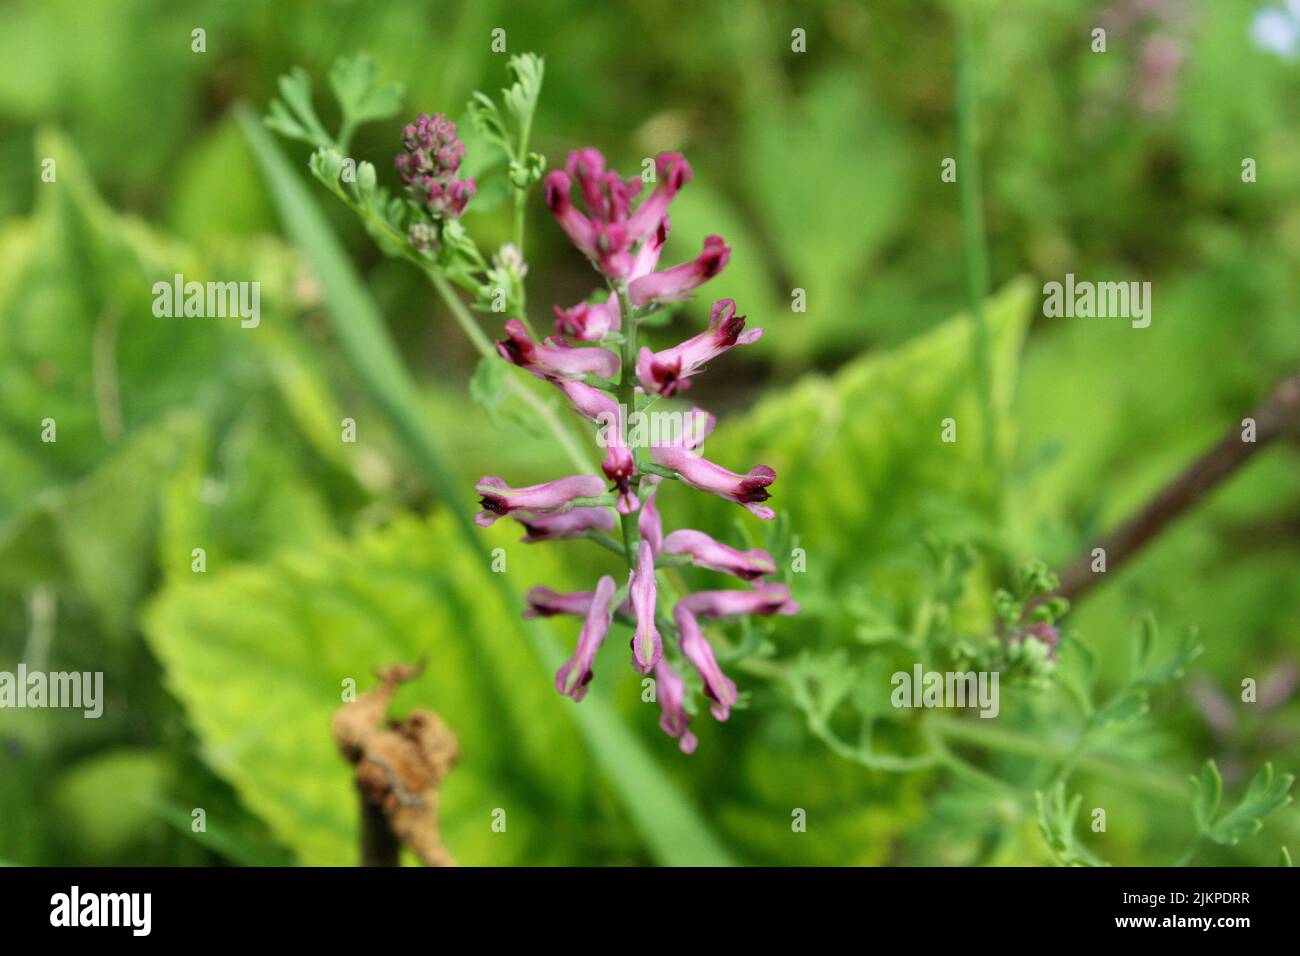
[1264,795]
[1207,790]
[293,115]
[488,384]
[525,74]
[1056,822]
[1128,704]
[487,120]
[360,98]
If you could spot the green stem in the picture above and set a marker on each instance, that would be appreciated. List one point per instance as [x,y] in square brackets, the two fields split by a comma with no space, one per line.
[485,348]
[972,219]
[627,398]
[1186,858]
[465,319]
[1152,782]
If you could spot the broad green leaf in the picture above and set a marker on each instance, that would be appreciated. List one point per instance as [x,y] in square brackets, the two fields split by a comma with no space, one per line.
[106,801]
[863,476]
[133,395]
[96,534]
[830,219]
[259,654]
[861,467]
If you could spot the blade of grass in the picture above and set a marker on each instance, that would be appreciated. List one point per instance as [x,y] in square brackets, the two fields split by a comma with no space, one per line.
[972,221]
[672,830]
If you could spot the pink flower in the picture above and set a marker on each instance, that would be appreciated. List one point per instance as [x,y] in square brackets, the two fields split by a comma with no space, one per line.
[555,361]
[647,257]
[432,148]
[647,647]
[500,499]
[561,525]
[609,230]
[766,599]
[665,372]
[594,629]
[674,284]
[543,602]
[428,165]
[670,691]
[619,465]
[580,230]
[749,490]
[595,405]
[697,650]
[696,426]
[672,173]
[589,322]
[705,552]
[446,199]
[649,525]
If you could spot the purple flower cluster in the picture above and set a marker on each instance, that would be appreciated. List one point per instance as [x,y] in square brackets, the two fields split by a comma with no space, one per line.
[624,242]
[431,157]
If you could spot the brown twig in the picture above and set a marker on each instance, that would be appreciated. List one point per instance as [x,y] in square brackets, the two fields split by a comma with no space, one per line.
[400,766]
[1276,416]
[379,845]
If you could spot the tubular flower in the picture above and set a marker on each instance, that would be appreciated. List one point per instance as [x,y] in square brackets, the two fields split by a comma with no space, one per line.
[649,525]
[705,552]
[561,525]
[554,361]
[672,173]
[766,599]
[619,465]
[575,674]
[609,230]
[429,162]
[670,690]
[543,602]
[672,285]
[499,499]
[589,322]
[597,209]
[749,490]
[664,373]
[697,650]
[647,646]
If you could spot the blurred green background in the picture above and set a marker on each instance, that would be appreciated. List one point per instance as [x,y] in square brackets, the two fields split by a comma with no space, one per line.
[821,169]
